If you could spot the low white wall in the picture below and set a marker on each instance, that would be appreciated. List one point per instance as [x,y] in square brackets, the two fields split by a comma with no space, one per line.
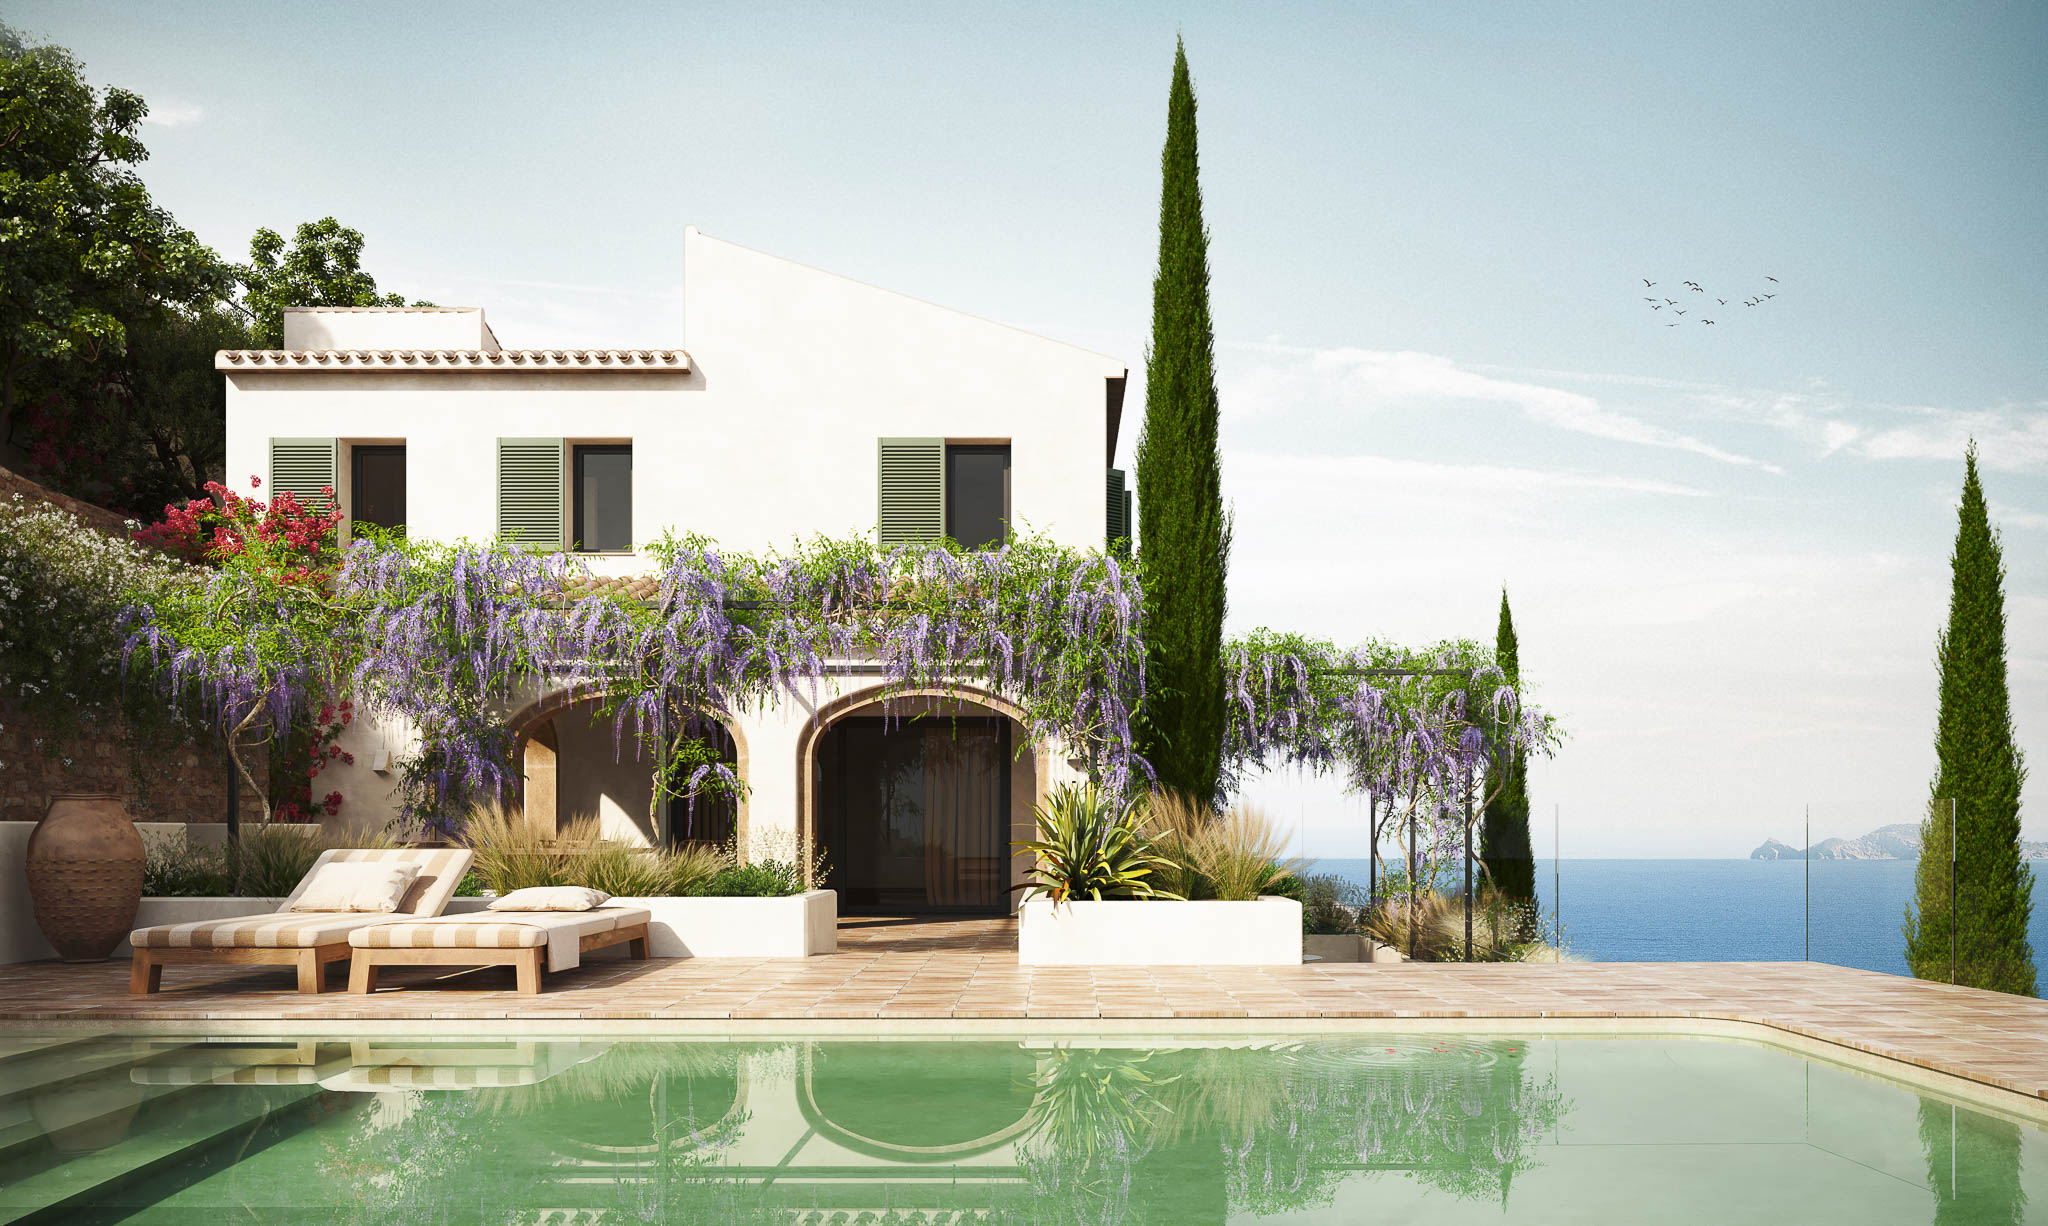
[1160,933]
[798,926]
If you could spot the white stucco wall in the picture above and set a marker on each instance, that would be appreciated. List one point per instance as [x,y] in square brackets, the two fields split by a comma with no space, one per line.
[769,438]
[387,328]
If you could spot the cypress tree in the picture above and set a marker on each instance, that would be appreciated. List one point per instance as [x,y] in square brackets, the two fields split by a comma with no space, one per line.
[1183,531]
[1978,770]
[1504,844]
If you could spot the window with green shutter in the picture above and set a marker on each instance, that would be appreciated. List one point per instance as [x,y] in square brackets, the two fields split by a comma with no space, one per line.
[911,480]
[302,467]
[530,491]
[1117,506]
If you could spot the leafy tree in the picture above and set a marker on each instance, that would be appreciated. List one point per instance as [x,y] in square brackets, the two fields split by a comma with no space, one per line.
[323,266]
[1979,770]
[1504,844]
[84,251]
[148,430]
[1183,530]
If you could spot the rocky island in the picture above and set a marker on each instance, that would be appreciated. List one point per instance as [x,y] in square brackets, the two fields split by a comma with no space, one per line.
[1895,842]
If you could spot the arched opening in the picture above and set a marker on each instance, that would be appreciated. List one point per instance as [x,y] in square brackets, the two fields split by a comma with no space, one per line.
[916,803]
[575,765]
[919,1102]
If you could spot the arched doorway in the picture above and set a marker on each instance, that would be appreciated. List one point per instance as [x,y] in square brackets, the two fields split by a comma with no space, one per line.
[916,804]
[575,764]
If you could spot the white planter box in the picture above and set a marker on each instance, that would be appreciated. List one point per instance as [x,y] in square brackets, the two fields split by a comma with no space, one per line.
[798,926]
[1160,933]
[794,927]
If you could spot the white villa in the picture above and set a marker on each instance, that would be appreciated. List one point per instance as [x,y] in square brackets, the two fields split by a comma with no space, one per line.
[799,403]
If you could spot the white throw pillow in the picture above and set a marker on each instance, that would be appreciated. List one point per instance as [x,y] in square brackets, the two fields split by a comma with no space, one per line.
[358,885]
[551,898]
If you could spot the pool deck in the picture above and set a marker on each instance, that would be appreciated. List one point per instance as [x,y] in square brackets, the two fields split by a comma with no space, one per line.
[965,973]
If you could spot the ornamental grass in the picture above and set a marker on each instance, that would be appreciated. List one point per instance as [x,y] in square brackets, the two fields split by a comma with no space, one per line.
[510,855]
[1236,855]
[1438,923]
[265,861]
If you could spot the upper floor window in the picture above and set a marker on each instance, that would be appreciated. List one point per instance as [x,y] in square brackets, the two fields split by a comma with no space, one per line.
[978,493]
[377,485]
[603,497]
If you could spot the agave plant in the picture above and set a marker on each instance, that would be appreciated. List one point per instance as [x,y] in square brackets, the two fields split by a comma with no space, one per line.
[1092,844]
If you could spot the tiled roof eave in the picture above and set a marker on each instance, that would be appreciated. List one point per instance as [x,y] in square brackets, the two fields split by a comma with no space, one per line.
[665,361]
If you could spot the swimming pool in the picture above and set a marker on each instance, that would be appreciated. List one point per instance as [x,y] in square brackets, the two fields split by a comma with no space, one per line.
[1208,1129]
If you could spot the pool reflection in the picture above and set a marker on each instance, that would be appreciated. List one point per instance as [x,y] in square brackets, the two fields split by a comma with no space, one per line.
[842,1131]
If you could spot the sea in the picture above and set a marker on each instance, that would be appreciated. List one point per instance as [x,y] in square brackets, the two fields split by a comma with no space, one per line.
[1848,913]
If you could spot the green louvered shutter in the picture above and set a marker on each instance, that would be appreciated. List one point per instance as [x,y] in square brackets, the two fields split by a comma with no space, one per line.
[911,478]
[1118,505]
[302,467]
[530,491]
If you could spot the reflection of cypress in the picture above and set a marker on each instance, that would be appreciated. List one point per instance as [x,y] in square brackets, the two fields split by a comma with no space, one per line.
[1973,1167]
[1172,1136]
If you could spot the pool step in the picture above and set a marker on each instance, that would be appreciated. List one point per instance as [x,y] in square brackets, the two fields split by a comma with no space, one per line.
[45,1184]
[38,1070]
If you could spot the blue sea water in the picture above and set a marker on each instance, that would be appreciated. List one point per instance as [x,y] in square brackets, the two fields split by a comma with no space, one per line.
[1732,910]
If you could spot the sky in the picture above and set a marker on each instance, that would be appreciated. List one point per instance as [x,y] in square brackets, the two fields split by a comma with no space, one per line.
[1726,546]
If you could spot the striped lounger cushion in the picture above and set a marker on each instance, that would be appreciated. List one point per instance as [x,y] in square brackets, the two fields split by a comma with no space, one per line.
[294,930]
[561,931]
[440,871]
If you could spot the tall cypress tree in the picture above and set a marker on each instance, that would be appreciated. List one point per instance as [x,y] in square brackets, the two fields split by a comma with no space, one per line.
[1978,770]
[1183,531]
[1504,843]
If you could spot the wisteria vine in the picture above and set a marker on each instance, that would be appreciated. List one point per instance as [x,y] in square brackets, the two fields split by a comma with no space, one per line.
[454,638]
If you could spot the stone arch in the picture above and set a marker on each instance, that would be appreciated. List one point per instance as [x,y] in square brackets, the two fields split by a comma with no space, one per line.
[537,748]
[1032,769]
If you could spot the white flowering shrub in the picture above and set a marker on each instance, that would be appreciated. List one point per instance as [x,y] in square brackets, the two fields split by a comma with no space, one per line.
[63,589]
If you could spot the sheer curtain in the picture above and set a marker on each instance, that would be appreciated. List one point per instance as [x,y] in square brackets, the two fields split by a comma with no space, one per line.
[963,856]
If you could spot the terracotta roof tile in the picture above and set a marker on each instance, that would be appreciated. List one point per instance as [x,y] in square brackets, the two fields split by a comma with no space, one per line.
[673,361]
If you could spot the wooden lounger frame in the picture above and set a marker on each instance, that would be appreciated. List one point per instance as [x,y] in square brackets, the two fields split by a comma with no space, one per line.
[527,963]
[146,973]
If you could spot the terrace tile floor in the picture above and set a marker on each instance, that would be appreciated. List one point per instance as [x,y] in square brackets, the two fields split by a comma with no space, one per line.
[917,972]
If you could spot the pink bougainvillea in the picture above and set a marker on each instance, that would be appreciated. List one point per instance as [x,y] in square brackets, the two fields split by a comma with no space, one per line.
[296,543]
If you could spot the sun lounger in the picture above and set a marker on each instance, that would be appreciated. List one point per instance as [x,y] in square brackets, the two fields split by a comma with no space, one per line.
[375,1068]
[308,940]
[527,941]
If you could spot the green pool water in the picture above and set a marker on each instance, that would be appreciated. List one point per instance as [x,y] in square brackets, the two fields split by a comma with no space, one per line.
[1351,1129]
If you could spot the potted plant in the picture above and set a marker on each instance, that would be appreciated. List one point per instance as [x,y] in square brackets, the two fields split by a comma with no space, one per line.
[1101,891]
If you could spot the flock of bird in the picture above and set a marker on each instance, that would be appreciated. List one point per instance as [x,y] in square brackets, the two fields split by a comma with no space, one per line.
[1659,304]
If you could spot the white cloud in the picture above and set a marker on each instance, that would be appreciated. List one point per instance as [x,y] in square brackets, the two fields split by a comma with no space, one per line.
[171,113]
[2010,438]
[1283,377]
[2019,519]
[1424,480]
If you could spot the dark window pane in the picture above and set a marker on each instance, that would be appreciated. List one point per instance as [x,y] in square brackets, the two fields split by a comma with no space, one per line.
[604,499]
[377,495]
[978,495]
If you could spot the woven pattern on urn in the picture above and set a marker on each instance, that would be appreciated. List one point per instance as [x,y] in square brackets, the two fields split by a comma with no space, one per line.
[85,875]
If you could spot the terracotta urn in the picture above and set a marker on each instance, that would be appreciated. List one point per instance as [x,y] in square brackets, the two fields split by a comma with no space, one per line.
[85,874]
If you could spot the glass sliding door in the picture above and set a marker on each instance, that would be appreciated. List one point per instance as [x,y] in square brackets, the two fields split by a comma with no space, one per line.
[915,815]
